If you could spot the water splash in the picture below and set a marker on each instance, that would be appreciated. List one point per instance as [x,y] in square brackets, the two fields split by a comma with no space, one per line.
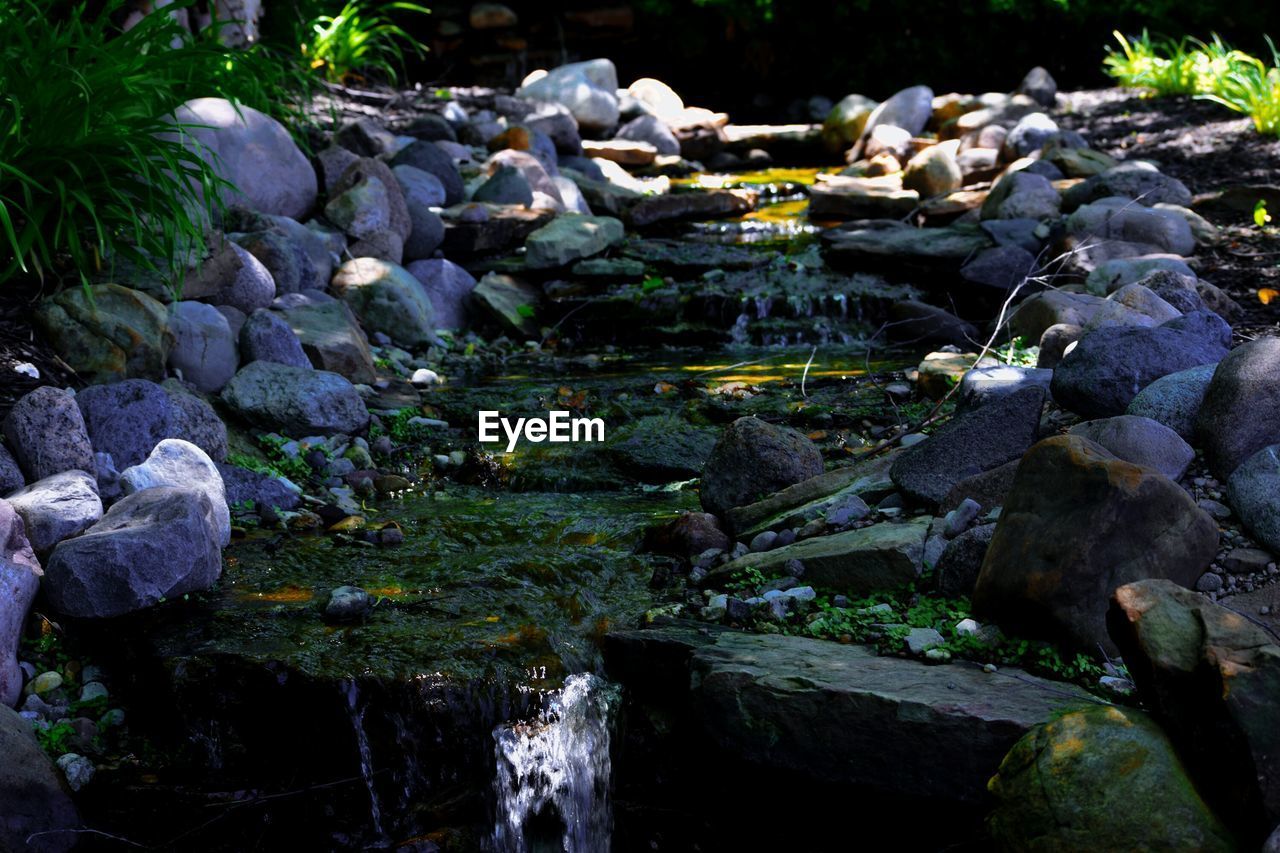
[554,772]
[356,710]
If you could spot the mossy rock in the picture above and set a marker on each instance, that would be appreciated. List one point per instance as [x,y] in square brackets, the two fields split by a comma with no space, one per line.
[107,332]
[662,448]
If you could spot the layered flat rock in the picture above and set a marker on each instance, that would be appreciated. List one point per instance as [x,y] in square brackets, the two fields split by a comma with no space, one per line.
[868,478]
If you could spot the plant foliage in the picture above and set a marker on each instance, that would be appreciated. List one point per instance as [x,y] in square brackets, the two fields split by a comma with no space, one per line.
[361,38]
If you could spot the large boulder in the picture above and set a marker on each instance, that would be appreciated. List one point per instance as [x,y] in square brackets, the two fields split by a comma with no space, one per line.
[56,508]
[1102,778]
[254,152]
[1254,493]
[1077,524]
[11,476]
[1141,441]
[449,288]
[1240,413]
[329,333]
[295,401]
[19,578]
[1110,365]
[1136,180]
[752,459]
[1121,220]
[589,90]
[204,347]
[179,463]
[974,441]
[107,332]
[36,811]
[571,238]
[247,285]
[47,433]
[127,419]
[1211,677]
[1175,400]
[150,546]
[388,299]
[265,336]
[192,419]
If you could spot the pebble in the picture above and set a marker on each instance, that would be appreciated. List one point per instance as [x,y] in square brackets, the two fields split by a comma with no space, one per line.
[920,640]
[423,377]
[1209,582]
[937,656]
[961,518]
[93,690]
[967,627]
[1214,508]
[736,611]
[46,682]
[794,568]
[763,541]
[347,604]
[78,770]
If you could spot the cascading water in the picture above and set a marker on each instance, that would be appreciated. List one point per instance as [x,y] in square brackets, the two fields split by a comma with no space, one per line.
[366,753]
[554,773]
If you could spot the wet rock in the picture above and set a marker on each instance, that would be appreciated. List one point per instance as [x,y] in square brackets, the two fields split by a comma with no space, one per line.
[1022,195]
[958,567]
[570,238]
[254,152]
[47,434]
[295,401]
[33,799]
[816,496]
[19,578]
[1110,365]
[265,336]
[388,299]
[1141,441]
[152,545]
[1254,493]
[1208,675]
[430,158]
[347,604]
[107,332]
[449,288]
[753,458]
[243,487]
[688,535]
[57,507]
[587,89]
[1135,180]
[1077,524]
[1102,778]
[179,463]
[1240,413]
[971,443]
[204,348]
[330,336]
[662,448]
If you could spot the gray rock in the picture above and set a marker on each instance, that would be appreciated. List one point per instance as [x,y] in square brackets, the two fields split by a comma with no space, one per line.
[1114,274]
[1141,441]
[558,124]
[570,238]
[267,337]
[909,109]
[535,172]
[248,284]
[419,187]
[1029,135]
[193,419]
[46,432]
[56,508]
[650,129]
[588,90]
[449,287]
[972,442]
[254,153]
[957,521]
[204,348]
[181,464]
[10,474]
[1109,366]
[1135,180]
[1054,343]
[19,578]
[108,477]
[365,137]
[430,158]
[387,299]
[426,233]
[1240,413]
[33,799]
[1025,234]
[1040,86]
[753,459]
[1126,221]
[507,185]
[243,486]
[295,401]
[127,419]
[76,769]
[347,604]
[330,336]
[1174,400]
[1001,267]
[958,567]
[981,385]
[152,545]
[1021,195]
[1254,493]
[1039,311]
[920,640]
[296,256]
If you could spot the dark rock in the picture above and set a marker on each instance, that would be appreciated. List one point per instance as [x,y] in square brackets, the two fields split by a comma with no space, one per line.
[753,459]
[449,287]
[1040,86]
[650,129]
[193,419]
[1240,413]
[1254,492]
[295,401]
[507,185]
[127,419]
[347,604]
[10,474]
[989,489]
[265,336]
[981,385]
[1077,524]
[688,536]
[1054,343]
[47,434]
[958,567]
[1175,400]
[662,448]
[34,800]
[1141,441]
[251,487]
[917,322]
[430,158]
[1135,180]
[107,332]
[1001,267]
[19,578]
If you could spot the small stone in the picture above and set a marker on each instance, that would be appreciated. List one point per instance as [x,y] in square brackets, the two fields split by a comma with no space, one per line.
[960,518]
[794,568]
[763,541]
[46,682]
[78,770]
[423,377]
[967,627]
[736,611]
[347,604]
[1209,582]
[937,656]
[920,640]
[93,690]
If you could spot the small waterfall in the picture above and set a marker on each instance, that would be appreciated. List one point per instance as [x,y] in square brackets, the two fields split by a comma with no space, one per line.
[366,753]
[554,772]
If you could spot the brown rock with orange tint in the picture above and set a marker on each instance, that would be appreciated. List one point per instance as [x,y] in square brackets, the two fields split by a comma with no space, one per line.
[1077,524]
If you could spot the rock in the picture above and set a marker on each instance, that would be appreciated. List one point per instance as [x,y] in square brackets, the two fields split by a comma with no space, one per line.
[624,152]
[388,299]
[897,246]
[1101,778]
[430,158]
[1038,312]
[862,198]
[419,187]
[1021,195]
[33,799]
[754,458]
[887,141]
[1077,524]
[1246,561]
[181,464]
[265,336]
[1138,297]
[1026,234]
[152,545]
[1141,441]
[329,334]
[662,448]
[958,567]
[941,371]
[366,138]
[256,489]
[107,332]
[917,322]
[1240,413]
[47,433]
[192,419]
[844,124]
[1054,343]
[989,489]
[1028,136]
[659,98]
[813,497]
[10,473]
[934,171]
[1119,219]
[254,152]
[347,604]
[971,443]
[652,130]
[1040,86]
[587,89]
[1110,365]
[688,535]
[512,303]
[449,288]
[57,507]
[1114,274]
[1254,493]
[1001,267]
[19,578]
[909,109]
[536,173]
[505,186]
[126,419]
[295,258]
[78,770]
[1209,676]
[1135,180]
[981,385]
[204,348]
[367,200]
[295,401]
[248,287]
[920,640]
[707,204]
[856,562]
[570,238]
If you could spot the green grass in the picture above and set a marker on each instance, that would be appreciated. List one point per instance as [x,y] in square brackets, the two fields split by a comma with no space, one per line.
[1211,70]
[359,39]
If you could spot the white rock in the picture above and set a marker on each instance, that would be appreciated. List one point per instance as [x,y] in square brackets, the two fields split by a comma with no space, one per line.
[175,462]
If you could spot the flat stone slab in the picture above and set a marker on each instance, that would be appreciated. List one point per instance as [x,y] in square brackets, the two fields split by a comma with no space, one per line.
[807,499]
